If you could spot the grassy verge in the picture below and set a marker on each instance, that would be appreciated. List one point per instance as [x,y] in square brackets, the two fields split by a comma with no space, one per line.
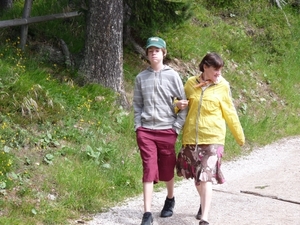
[67,150]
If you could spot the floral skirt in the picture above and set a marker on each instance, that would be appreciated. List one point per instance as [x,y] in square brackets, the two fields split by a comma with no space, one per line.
[201,163]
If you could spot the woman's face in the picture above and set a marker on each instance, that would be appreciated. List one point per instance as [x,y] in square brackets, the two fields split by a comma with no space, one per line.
[211,73]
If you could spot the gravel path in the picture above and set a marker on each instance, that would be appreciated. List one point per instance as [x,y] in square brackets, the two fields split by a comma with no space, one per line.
[262,188]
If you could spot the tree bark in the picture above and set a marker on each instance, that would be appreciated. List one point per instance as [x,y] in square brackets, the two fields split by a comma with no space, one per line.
[103,54]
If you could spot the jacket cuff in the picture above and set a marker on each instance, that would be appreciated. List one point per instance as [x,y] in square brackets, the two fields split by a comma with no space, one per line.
[177,130]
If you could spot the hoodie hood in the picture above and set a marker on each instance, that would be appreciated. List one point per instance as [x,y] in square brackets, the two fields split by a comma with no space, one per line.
[158,74]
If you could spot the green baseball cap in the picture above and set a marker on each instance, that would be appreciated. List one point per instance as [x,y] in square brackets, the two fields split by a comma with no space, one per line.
[156,42]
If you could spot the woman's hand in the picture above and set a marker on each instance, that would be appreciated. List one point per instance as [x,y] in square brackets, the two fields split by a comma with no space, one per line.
[182,104]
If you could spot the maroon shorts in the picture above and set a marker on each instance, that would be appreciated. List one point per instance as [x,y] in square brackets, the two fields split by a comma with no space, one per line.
[157,149]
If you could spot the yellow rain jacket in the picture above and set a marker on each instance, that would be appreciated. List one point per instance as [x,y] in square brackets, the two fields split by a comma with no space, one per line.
[209,111]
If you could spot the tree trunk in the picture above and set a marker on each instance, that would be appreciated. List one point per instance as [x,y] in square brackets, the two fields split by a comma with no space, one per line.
[6,4]
[103,54]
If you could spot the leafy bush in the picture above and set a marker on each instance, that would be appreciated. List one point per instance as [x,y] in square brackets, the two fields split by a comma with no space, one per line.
[150,17]
[222,3]
[5,167]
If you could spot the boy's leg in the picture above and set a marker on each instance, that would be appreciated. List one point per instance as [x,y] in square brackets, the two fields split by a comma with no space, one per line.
[148,152]
[147,192]
[166,165]
[166,157]
[170,188]
[167,210]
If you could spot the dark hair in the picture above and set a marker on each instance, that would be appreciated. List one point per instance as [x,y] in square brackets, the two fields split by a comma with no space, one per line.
[211,59]
[163,50]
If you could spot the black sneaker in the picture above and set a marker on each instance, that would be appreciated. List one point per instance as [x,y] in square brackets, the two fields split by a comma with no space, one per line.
[167,210]
[198,216]
[147,219]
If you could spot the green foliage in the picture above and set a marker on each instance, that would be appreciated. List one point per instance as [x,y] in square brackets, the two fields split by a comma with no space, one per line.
[73,150]
[152,17]
[6,162]
[71,30]
[221,3]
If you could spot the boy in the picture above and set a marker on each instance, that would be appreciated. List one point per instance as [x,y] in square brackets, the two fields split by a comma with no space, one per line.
[157,124]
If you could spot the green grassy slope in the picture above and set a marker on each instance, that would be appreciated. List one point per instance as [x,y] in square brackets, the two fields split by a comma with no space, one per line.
[68,150]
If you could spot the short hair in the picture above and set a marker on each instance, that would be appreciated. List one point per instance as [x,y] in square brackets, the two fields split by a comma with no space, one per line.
[211,59]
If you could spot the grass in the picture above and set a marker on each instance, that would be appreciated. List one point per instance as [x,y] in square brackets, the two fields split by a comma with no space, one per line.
[68,151]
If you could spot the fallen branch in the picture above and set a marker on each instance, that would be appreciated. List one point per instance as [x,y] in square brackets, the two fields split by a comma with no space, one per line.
[269,196]
[260,195]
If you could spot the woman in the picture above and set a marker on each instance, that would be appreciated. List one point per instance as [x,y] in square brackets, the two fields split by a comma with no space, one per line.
[210,108]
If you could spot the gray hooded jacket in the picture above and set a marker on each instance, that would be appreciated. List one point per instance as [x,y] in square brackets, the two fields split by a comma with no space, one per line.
[153,100]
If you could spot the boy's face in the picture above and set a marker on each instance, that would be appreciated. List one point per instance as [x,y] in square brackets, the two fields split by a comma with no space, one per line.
[155,55]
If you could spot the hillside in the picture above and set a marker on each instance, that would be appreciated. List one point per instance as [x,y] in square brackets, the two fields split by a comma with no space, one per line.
[67,149]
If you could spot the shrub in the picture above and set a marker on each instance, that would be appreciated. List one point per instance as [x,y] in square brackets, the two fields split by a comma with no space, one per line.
[5,167]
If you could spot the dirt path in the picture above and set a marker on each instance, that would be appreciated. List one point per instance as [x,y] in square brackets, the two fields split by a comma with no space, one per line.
[262,188]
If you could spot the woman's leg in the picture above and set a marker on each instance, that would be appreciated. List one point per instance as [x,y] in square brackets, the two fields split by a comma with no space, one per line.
[205,192]
[199,213]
